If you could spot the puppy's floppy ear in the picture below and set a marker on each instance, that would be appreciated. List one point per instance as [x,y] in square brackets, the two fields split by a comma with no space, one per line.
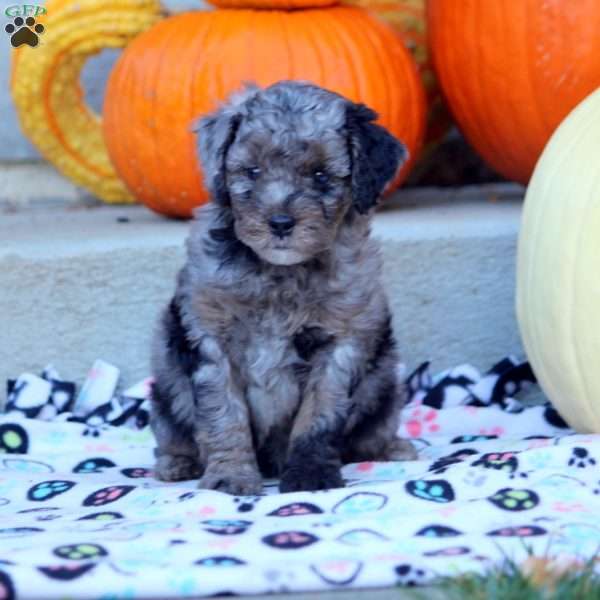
[216,132]
[375,154]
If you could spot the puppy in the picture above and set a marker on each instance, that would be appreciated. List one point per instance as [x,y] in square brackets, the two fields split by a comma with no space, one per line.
[276,354]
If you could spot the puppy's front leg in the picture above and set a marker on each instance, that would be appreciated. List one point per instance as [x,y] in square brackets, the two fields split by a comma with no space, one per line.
[222,429]
[313,461]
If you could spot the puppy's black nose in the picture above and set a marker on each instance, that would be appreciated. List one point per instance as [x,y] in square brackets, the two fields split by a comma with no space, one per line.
[282,225]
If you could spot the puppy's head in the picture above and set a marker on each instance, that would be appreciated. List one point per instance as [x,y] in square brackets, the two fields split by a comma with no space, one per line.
[290,162]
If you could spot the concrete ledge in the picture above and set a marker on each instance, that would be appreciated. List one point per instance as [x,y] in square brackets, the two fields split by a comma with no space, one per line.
[81,281]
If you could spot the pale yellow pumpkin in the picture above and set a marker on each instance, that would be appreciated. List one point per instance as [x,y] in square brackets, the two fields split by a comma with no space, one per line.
[558,270]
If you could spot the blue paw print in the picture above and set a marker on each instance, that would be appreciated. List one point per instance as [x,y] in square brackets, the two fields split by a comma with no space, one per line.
[360,502]
[436,490]
[220,561]
[48,489]
[93,465]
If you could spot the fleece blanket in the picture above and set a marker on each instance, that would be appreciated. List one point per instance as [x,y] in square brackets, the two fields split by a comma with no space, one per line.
[82,517]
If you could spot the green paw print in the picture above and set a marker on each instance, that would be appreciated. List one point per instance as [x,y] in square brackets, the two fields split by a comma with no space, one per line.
[13,439]
[515,499]
[80,551]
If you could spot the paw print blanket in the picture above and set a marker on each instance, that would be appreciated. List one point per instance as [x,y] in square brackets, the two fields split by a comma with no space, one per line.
[82,517]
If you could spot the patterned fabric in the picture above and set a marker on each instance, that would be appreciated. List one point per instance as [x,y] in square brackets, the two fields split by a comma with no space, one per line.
[82,517]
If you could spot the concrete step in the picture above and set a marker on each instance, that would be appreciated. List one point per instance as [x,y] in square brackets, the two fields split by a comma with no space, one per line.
[82,281]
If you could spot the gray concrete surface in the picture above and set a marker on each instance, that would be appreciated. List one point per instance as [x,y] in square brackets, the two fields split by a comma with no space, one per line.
[81,281]
[13,145]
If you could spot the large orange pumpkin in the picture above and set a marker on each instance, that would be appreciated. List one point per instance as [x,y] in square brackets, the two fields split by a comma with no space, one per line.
[408,19]
[511,70]
[185,65]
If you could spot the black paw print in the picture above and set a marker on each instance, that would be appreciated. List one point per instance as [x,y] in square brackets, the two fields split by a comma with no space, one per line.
[246,503]
[410,576]
[24,31]
[581,459]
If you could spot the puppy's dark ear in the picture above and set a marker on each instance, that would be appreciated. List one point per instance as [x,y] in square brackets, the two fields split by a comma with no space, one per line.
[216,132]
[375,154]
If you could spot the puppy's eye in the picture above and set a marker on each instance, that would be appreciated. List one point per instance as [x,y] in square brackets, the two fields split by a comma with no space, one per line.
[253,173]
[321,177]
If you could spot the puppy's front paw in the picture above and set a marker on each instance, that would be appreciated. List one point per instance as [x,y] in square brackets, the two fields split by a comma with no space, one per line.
[171,467]
[401,449]
[232,479]
[310,478]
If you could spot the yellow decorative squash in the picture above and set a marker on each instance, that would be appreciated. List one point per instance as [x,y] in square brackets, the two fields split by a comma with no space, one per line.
[558,270]
[49,100]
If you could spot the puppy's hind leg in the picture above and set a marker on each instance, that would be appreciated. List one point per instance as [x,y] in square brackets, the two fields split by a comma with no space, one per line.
[373,435]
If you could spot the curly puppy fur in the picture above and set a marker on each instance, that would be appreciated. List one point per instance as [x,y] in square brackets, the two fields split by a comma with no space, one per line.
[276,353]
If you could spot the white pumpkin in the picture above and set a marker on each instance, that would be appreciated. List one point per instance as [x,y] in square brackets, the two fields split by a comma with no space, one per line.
[558,268]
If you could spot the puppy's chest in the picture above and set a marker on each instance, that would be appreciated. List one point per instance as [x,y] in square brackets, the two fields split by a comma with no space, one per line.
[265,328]
[272,339]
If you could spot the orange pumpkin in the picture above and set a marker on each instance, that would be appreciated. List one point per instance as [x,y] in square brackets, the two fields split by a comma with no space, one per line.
[273,4]
[511,70]
[186,64]
[408,19]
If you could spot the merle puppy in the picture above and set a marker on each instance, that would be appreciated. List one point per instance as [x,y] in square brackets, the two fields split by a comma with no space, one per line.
[276,353]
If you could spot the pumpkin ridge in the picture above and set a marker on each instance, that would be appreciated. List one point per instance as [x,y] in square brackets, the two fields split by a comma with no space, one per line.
[341,39]
[371,40]
[312,42]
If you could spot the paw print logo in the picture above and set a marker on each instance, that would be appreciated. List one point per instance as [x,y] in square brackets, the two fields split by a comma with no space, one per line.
[410,576]
[13,439]
[137,472]
[421,421]
[48,489]
[80,551]
[438,531]
[515,499]
[451,551]
[220,561]
[290,540]
[107,495]
[581,458]
[296,509]
[226,526]
[24,31]
[500,461]
[360,502]
[93,465]
[519,531]
[246,503]
[474,478]
[435,490]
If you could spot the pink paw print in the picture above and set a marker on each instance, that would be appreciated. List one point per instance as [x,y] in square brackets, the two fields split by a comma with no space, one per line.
[364,467]
[497,430]
[107,495]
[569,507]
[421,421]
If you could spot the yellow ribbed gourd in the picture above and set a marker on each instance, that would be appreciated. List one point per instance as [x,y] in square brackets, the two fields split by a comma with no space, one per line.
[46,92]
[558,268]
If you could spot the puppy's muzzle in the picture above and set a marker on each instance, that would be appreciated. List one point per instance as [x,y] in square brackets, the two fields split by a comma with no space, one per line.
[281,225]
